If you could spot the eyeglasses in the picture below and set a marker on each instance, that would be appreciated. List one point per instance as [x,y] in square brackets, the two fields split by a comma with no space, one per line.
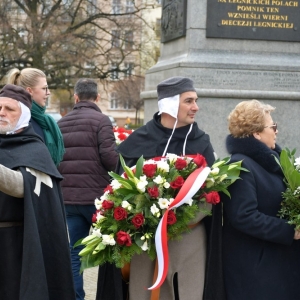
[46,89]
[274,126]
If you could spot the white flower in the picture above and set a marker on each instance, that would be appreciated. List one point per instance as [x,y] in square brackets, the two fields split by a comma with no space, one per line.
[166,185]
[158,179]
[297,191]
[96,232]
[163,166]
[99,216]
[141,185]
[115,184]
[172,157]
[154,210]
[145,246]
[189,202]
[125,204]
[163,203]
[297,163]
[98,203]
[215,171]
[108,240]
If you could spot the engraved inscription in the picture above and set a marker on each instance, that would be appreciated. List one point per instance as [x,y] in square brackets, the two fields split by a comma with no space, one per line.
[254,19]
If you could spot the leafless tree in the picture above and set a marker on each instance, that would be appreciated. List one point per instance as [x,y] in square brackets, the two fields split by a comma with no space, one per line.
[128,93]
[69,39]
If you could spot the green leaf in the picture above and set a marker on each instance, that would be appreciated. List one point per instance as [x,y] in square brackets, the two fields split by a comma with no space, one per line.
[78,243]
[128,184]
[99,248]
[126,169]
[139,167]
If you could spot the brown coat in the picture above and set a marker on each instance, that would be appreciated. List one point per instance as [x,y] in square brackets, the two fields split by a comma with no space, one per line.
[90,153]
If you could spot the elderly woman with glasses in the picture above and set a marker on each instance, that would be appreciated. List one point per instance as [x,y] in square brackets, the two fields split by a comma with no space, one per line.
[261,254]
[34,81]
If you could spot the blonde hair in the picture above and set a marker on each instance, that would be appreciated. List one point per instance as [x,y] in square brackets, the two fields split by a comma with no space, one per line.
[27,77]
[248,117]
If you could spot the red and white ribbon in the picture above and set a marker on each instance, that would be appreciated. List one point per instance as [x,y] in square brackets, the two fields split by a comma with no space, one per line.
[190,187]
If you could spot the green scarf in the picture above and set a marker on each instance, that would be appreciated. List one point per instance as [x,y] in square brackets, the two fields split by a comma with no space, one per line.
[53,137]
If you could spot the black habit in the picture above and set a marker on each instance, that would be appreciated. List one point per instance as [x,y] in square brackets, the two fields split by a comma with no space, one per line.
[35,258]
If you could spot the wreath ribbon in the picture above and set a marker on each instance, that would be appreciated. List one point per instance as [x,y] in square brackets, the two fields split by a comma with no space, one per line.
[190,187]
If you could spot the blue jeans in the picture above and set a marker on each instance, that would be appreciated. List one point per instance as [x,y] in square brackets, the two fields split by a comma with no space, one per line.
[79,220]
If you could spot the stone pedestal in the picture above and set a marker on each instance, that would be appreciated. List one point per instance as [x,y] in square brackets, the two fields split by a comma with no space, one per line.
[228,71]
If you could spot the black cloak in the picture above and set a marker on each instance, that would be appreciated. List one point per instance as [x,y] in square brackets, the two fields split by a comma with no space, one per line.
[35,257]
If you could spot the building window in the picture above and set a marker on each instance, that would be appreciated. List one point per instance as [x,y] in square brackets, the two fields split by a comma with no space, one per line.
[115,38]
[128,69]
[116,6]
[126,104]
[114,75]
[128,39]
[113,101]
[129,6]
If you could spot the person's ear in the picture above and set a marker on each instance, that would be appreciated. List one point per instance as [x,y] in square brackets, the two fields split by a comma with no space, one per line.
[257,135]
[98,98]
[29,90]
[76,98]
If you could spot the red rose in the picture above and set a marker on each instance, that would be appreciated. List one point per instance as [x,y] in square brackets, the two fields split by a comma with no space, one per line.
[153,191]
[120,213]
[138,220]
[107,204]
[109,189]
[149,170]
[123,238]
[200,160]
[122,136]
[177,183]
[212,197]
[180,164]
[171,217]
[94,218]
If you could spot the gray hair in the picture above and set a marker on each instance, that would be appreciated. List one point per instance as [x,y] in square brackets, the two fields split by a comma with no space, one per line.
[86,89]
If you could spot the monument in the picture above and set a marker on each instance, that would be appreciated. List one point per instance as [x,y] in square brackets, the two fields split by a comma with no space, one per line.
[234,50]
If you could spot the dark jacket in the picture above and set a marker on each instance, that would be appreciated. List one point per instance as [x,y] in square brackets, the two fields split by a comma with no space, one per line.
[35,257]
[90,153]
[151,139]
[260,258]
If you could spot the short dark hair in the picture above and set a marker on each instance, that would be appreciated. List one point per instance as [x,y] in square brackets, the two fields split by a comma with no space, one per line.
[86,89]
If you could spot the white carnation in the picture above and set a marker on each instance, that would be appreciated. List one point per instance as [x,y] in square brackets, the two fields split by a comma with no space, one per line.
[163,203]
[163,166]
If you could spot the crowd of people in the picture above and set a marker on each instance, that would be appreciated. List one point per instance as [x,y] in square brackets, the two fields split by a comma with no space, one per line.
[51,173]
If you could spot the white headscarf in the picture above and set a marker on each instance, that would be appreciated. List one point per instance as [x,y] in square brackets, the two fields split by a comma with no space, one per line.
[23,120]
[170,106]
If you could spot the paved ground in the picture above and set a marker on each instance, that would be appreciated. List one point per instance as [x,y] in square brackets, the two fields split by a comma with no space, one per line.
[90,283]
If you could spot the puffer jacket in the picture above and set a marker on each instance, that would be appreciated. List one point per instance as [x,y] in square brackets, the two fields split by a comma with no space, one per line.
[90,153]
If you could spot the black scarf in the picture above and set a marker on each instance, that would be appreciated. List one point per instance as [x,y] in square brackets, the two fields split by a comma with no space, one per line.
[256,150]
